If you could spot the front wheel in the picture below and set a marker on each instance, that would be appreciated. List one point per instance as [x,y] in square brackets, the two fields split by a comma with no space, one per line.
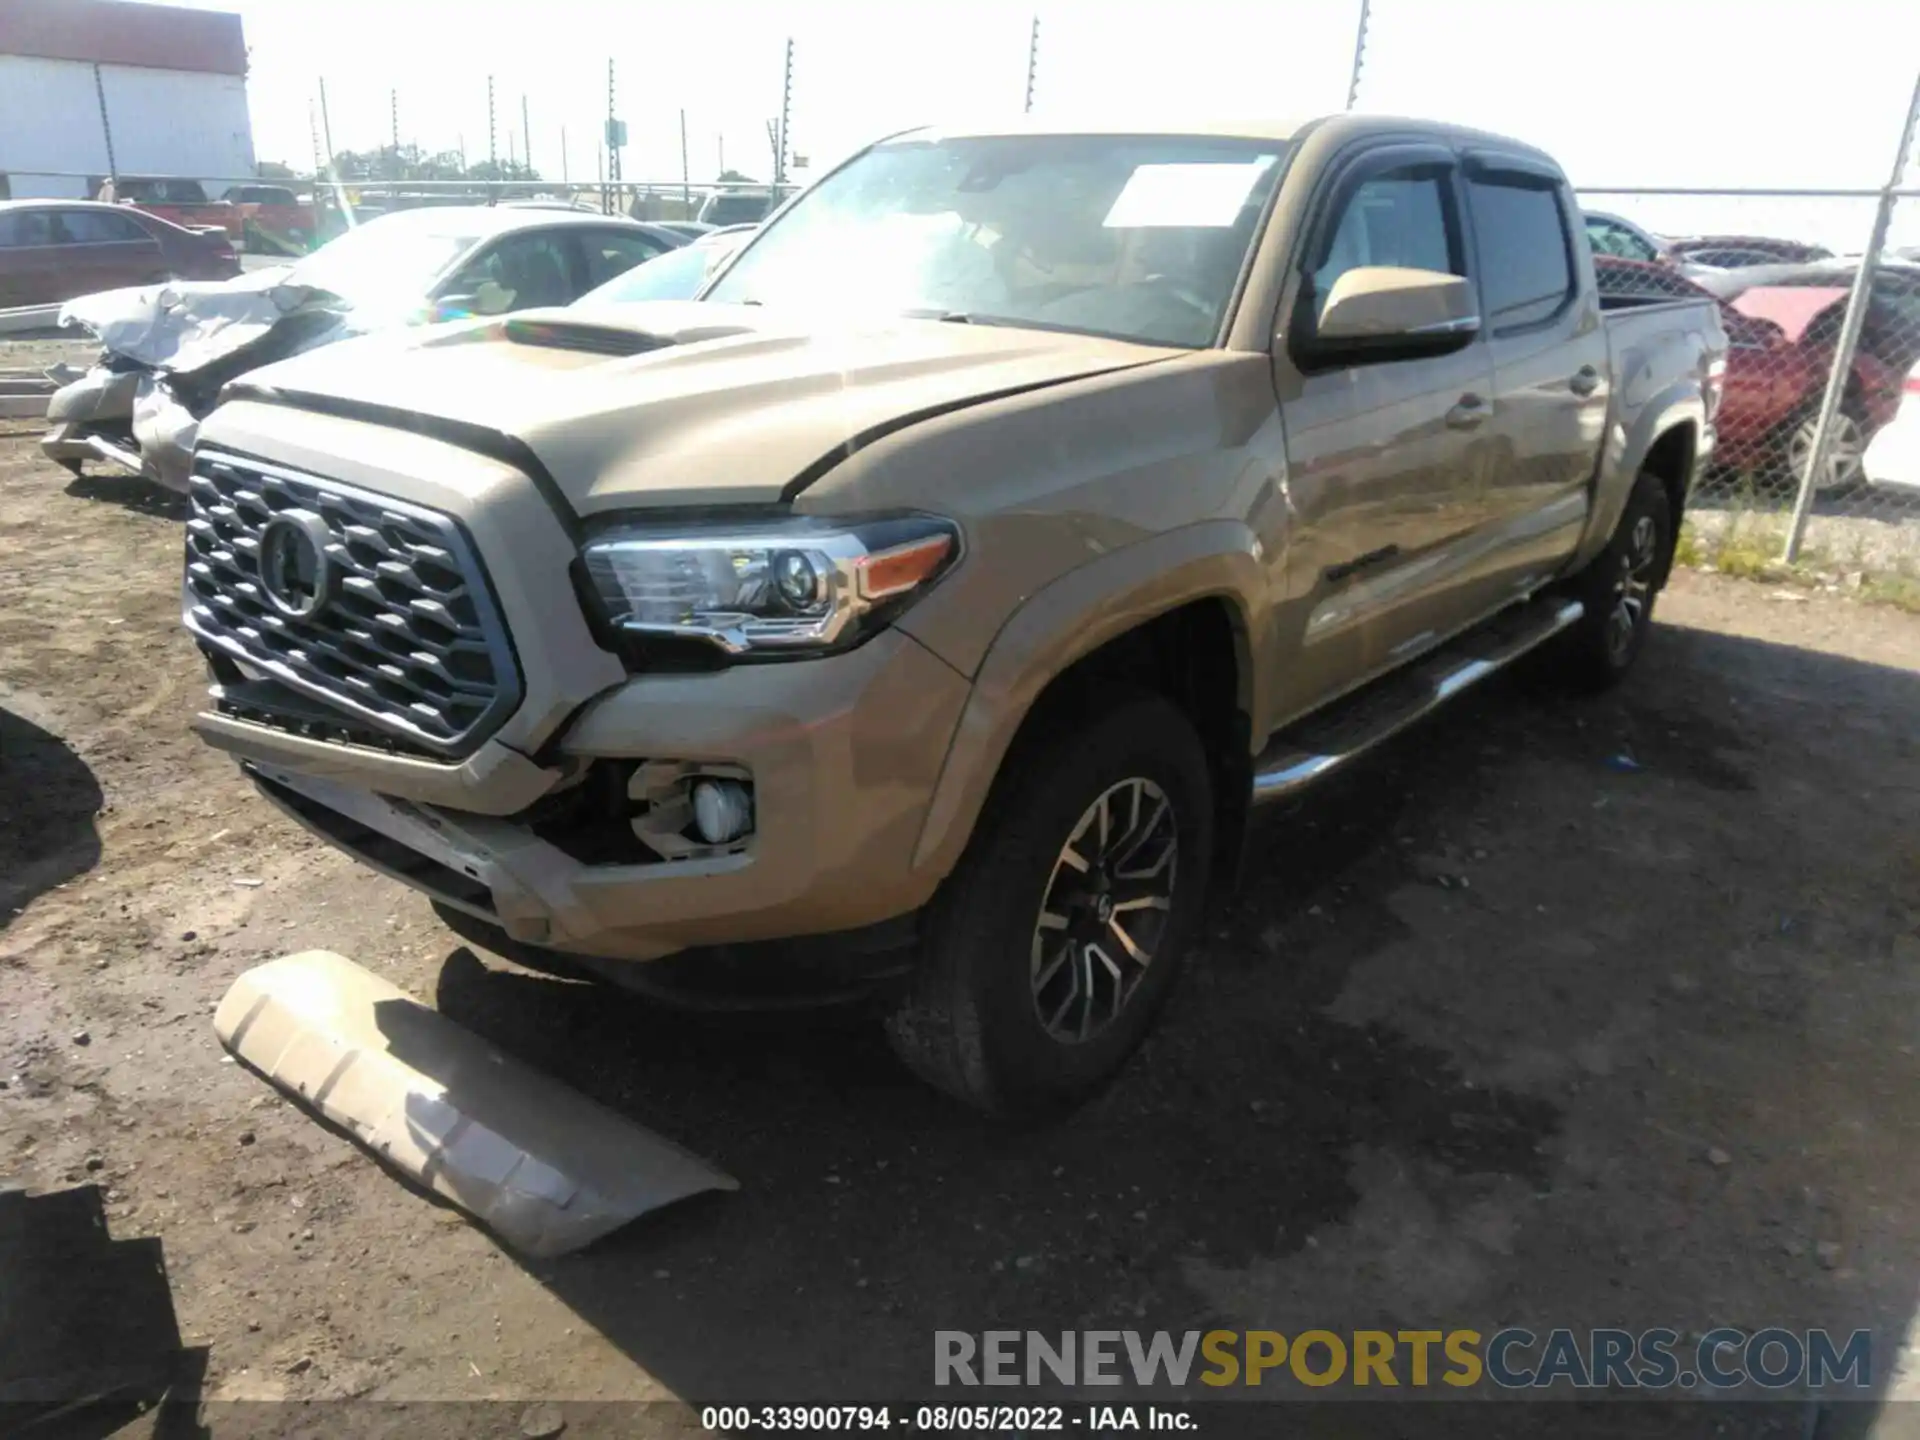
[1052,945]
[1618,590]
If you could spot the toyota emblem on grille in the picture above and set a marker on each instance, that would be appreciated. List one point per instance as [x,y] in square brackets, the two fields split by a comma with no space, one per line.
[294,569]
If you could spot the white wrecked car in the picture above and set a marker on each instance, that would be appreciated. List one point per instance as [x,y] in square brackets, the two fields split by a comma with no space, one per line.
[169,348]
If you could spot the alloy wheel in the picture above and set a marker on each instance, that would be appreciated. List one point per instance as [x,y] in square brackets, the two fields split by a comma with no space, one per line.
[1105,910]
[1844,453]
[1633,589]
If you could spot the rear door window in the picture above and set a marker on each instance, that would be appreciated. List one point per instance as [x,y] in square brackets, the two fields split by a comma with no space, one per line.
[26,227]
[94,227]
[1526,260]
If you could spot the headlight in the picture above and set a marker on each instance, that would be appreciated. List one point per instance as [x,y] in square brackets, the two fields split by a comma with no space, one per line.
[797,584]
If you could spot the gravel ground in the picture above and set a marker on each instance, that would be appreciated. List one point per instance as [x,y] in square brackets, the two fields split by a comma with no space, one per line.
[1558,1012]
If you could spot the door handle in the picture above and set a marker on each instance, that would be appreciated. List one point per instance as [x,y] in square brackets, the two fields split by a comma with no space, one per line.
[1468,412]
[1585,381]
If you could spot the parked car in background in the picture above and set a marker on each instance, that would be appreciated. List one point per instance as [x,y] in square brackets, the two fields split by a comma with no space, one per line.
[1893,455]
[169,351]
[738,207]
[1780,353]
[184,202]
[677,275]
[274,220]
[54,250]
[692,229]
[1618,237]
[1734,252]
[1807,319]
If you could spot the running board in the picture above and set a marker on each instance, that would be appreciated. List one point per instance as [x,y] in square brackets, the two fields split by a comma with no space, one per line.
[1322,743]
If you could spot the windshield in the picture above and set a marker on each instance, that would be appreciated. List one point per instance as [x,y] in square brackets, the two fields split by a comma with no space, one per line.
[391,261]
[1139,237]
[676,275]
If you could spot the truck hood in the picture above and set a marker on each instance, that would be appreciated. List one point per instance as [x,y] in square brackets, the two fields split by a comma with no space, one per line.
[681,402]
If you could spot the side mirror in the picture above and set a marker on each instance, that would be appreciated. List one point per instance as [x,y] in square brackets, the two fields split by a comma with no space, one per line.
[1393,312]
[454,307]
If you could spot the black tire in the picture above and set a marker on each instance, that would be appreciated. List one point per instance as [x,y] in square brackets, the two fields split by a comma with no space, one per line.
[969,1020]
[1618,590]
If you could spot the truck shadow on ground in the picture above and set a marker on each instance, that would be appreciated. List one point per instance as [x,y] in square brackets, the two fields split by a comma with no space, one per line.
[1302,1060]
[131,492]
[48,800]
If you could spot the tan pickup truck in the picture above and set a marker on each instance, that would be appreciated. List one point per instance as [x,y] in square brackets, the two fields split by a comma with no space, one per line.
[925,606]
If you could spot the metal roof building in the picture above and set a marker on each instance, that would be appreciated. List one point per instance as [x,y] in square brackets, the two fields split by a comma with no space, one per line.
[90,88]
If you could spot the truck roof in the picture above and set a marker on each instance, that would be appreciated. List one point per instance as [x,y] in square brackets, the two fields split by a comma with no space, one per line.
[1275,128]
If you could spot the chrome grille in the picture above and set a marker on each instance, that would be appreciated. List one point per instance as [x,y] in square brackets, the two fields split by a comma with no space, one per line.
[408,638]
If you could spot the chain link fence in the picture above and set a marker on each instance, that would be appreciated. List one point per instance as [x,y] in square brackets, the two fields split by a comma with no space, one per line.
[1783,267]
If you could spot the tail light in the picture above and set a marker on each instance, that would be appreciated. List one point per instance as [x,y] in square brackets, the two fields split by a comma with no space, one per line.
[1716,384]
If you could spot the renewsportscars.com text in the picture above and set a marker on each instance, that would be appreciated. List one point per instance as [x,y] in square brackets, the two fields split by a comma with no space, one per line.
[1511,1359]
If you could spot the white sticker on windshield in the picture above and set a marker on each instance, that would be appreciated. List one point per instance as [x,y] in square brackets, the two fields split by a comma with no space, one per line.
[1184,195]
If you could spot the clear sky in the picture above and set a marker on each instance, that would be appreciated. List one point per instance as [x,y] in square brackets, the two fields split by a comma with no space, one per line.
[1623,92]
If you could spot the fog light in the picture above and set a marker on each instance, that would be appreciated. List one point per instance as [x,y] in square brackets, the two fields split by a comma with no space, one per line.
[722,810]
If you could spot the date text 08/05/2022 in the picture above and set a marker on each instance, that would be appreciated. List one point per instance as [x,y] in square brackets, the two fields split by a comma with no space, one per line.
[977,1419]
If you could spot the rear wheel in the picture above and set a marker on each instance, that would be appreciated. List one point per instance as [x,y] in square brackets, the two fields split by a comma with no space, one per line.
[1051,947]
[1618,590]
[1846,452]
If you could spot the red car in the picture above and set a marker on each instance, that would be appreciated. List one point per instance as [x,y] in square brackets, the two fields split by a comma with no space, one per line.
[1781,350]
[53,250]
[179,202]
[273,221]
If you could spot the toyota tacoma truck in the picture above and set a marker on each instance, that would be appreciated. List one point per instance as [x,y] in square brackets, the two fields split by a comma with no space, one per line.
[926,605]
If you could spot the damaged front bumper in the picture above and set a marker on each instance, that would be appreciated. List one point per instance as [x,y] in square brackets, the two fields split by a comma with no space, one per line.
[842,754]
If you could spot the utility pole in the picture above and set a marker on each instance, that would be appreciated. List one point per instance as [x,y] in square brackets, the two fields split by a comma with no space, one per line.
[326,125]
[564,177]
[786,114]
[313,133]
[493,143]
[106,131]
[614,139]
[393,105]
[1359,54]
[1840,366]
[333,174]
[721,142]
[686,189]
[1033,59]
[526,135]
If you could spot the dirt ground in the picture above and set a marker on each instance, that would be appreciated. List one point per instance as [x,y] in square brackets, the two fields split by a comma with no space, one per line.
[1557,1013]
